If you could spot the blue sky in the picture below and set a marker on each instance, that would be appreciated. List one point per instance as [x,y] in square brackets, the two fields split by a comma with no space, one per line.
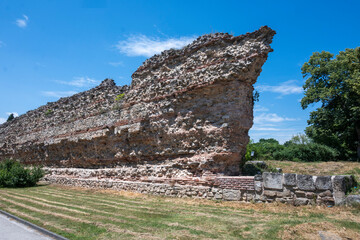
[53,48]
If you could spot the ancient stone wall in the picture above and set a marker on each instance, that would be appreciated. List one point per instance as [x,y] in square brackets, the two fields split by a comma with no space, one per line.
[300,189]
[294,189]
[186,115]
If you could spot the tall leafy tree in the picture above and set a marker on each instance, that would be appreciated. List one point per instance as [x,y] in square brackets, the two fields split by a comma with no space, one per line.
[335,84]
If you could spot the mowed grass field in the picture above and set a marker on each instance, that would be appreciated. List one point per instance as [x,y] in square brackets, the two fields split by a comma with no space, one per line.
[78,213]
[318,168]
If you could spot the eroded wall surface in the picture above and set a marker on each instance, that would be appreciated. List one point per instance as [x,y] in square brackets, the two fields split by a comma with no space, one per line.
[186,114]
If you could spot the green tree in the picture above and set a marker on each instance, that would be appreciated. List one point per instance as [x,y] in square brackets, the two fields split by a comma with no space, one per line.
[11,117]
[14,174]
[335,84]
[301,148]
[263,150]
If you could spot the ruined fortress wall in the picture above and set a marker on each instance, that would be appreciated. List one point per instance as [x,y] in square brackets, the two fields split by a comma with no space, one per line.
[294,189]
[186,114]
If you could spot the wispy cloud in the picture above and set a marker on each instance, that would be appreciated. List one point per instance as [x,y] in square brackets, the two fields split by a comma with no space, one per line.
[116,64]
[271,125]
[2,120]
[22,22]
[271,129]
[280,135]
[58,94]
[271,117]
[141,45]
[2,44]
[15,114]
[285,88]
[81,82]
[259,108]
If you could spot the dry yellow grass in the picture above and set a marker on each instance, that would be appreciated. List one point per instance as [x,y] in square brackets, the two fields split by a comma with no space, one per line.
[318,168]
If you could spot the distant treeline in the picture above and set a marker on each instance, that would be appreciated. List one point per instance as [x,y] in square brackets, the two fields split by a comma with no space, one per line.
[299,148]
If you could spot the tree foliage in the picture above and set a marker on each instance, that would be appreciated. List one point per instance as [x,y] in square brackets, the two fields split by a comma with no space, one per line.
[263,150]
[13,174]
[11,117]
[299,148]
[335,84]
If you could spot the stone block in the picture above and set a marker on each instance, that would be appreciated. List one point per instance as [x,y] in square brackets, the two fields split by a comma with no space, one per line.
[300,193]
[269,193]
[286,193]
[273,180]
[353,200]
[282,200]
[250,197]
[323,183]
[290,179]
[218,196]
[258,177]
[231,195]
[327,193]
[310,195]
[305,182]
[301,201]
[258,186]
[290,201]
[340,185]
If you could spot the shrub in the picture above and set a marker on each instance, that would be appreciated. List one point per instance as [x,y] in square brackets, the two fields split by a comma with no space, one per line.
[309,152]
[11,117]
[48,112]
[119,97]
[14,174]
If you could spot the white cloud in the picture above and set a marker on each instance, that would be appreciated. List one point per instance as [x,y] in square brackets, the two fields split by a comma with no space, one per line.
[271,129]
[141,45]
[259,108]
[15,114]
[281,136]
[22,22]
[58,94]
[2,120]
[271,125]
[285,88]
[2,44]
[116,64]
[81,82]
[270,117]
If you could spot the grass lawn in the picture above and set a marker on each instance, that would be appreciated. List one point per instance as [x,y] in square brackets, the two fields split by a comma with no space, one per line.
[78,213]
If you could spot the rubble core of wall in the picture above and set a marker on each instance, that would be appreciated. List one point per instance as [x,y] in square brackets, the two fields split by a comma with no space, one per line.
[186,113]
